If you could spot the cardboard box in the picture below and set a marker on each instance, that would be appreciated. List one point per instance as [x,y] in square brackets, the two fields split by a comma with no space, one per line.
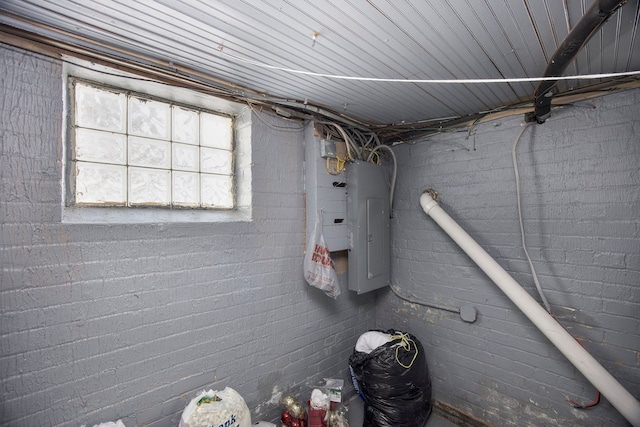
[334,390]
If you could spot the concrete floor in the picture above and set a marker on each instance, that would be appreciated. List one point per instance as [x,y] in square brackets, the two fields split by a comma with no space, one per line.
[356,415]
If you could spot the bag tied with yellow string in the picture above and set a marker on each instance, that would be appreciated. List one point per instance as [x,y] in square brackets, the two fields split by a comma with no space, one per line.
[390,372]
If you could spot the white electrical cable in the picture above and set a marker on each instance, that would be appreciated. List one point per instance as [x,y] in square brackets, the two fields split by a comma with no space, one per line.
[431,81]
[349,143]
[524,245]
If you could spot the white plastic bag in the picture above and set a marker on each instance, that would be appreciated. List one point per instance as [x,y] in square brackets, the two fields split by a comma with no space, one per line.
[318,265]
[216,408]
[118,423]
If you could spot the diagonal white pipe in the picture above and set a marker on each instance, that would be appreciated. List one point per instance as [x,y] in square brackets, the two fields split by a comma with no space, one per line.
[610,388]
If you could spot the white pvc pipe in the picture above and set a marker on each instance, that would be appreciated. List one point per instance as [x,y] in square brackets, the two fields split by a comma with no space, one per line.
[601,379]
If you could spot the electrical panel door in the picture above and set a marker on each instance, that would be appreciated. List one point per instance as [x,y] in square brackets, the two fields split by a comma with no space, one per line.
[368,224]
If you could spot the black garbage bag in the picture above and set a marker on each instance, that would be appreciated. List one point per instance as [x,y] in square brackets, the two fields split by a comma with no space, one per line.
[394,382]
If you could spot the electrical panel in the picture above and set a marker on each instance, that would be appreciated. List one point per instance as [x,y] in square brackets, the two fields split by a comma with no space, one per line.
[325,190]
[356,209]
[368,210]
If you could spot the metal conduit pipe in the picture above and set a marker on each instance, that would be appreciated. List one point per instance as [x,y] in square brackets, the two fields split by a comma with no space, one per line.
[619,397]
[591,21]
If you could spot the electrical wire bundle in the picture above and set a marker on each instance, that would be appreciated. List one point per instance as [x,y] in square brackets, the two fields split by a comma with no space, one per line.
[360,145]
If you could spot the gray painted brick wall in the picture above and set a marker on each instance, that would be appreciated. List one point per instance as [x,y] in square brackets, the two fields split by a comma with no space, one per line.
[580,175]
[129,321]
[101,322]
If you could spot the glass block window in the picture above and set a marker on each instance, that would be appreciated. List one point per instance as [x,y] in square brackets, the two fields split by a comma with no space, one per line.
[131,150]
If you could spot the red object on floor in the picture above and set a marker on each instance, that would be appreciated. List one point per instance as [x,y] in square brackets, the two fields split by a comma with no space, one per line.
[316,417]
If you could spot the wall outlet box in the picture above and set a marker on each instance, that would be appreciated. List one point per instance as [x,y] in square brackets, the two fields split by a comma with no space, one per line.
[327,149]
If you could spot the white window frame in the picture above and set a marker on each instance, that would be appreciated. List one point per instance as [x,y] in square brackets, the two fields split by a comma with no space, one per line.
[76,69]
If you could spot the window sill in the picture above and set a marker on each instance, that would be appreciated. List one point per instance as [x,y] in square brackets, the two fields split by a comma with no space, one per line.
[93,215]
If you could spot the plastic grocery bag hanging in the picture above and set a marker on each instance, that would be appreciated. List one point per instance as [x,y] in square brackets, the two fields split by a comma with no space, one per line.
[318,265]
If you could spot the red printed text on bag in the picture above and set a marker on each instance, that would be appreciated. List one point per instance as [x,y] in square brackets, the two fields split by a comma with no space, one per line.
[321,256]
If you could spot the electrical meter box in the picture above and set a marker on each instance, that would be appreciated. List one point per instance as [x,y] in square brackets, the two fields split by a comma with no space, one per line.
[368,211]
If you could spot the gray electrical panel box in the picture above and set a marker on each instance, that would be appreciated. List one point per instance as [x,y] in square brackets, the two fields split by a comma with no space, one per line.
[368,227]
[325,191]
